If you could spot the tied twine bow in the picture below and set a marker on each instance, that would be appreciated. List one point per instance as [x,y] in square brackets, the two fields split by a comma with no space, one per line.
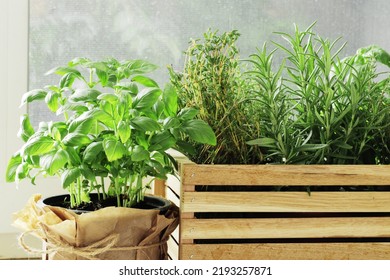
[89,252]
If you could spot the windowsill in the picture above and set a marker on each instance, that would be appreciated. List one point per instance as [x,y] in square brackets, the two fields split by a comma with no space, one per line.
[10,249]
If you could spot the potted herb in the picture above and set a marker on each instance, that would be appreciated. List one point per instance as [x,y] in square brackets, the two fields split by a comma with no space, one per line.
[111,143]
[319,108]
[213,81]
[322,188]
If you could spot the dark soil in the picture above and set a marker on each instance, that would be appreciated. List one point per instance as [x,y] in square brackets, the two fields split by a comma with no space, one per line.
[150,202]
[93,205]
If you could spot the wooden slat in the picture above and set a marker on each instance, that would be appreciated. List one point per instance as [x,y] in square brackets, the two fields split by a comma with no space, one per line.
[159,187]
[280,175]
[289,251]
[286,202]
[279,228]
[285,228]
[185,215]
[182,239]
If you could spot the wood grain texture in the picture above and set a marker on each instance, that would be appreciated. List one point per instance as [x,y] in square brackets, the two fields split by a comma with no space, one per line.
[285,228]
[159,187]
[287,251]
[277,229]
[281,175]
[286,202]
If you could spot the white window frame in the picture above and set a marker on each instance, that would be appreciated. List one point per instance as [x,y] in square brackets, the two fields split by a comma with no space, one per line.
[13,81]
[14,22]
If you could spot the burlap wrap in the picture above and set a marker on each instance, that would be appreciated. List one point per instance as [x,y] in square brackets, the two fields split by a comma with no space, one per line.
[112,233]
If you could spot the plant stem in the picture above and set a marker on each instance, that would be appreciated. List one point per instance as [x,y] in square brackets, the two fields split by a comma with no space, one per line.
[118,192]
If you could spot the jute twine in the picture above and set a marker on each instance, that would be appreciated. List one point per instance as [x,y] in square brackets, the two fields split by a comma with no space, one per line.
[89,252]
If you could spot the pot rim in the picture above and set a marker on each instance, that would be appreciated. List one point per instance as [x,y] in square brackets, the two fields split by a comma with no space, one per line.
[150,202]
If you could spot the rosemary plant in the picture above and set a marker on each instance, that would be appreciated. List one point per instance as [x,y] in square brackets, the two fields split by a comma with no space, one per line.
[319,108]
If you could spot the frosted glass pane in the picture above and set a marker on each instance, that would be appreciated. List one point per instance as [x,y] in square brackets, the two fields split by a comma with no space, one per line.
[160,30]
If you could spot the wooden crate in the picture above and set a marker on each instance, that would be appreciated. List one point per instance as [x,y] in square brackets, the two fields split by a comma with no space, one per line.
[250,221]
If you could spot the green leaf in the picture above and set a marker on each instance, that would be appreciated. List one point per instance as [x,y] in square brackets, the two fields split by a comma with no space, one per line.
[342,145]
[33,160]
[67,80]
[70,176]
[162,141]
[73,156]
[199,131]
[377,53]
[145,124]
[185,147]
[102,71]
[142,139]
[122,109]
[124,131]
[171,122]
[98,65]
[187,113]
[158,108]
[64,70]
[112,111]
[84,196]
[311,147]
[26,130]
[87,172]
[36,94]
[21,171]
[54,161]
[12,166]
[263,142]
[83,125]
[38,145]
[339,156]
[126,85]
[114,149]
[76,139]
[58,130]
[112,98]
[139,153]
[85,95]
[91,152]
[79,108]
[52,101]
[146,81]
[169,97]
[157,167]
[140,67]
[101,116]
[79,61]
[146,98]
[103,77]
[157,156]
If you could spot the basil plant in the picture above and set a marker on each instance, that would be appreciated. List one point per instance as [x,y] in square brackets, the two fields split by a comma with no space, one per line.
[116,127]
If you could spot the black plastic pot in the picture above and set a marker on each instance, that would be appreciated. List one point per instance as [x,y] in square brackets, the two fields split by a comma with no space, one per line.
[150,202]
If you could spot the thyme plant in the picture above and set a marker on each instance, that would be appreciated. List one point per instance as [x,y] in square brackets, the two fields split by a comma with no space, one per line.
[212,81]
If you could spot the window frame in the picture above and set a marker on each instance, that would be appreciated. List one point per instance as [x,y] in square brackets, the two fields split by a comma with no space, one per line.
[14,73]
